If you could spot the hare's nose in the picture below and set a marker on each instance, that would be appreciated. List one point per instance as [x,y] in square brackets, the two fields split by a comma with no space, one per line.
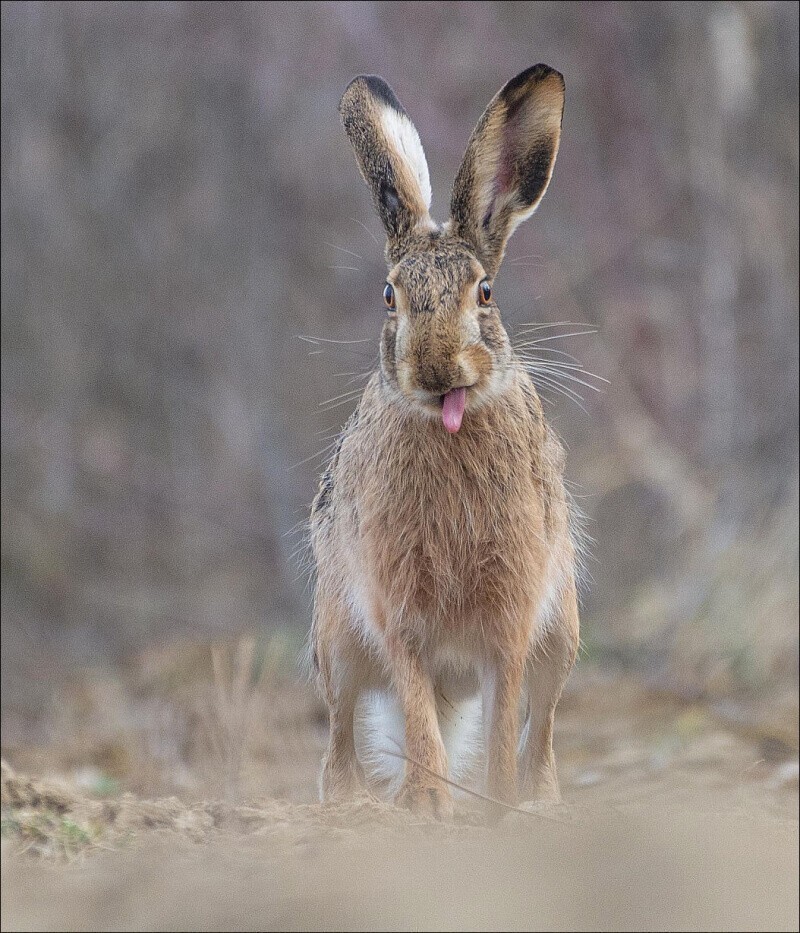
[436,376]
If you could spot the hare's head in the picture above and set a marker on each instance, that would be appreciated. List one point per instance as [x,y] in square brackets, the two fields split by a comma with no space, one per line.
[444,347]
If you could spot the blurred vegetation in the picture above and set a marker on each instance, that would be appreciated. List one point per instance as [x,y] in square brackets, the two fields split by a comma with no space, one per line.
[179,204]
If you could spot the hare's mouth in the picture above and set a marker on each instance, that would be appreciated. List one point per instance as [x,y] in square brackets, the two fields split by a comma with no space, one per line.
[450,406]
[434,402]
[453,404]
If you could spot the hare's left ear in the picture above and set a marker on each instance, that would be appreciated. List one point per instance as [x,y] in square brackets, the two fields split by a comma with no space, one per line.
[508,162]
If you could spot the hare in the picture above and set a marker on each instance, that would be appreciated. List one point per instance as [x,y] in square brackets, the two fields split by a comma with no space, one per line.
[445,564]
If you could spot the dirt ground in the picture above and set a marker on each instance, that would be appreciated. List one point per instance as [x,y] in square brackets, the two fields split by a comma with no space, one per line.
[180,794]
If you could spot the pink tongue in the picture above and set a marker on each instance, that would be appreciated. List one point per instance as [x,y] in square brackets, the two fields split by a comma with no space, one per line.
[453,409]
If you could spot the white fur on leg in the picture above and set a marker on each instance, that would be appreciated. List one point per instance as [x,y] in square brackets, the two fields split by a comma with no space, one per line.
[380,740]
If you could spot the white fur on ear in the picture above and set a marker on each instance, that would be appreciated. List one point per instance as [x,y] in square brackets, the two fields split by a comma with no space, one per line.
[402,136]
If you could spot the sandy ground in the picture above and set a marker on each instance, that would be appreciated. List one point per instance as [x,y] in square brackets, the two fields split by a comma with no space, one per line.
[678,815]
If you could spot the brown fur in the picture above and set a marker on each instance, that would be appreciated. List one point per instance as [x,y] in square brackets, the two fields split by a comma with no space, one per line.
[437,552]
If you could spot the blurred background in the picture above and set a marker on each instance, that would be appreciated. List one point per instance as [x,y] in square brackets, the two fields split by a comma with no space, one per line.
[180,206]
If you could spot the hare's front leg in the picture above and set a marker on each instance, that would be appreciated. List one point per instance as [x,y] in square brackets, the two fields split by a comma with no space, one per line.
[343,672]
[546,673]
[502,691]
[422,789]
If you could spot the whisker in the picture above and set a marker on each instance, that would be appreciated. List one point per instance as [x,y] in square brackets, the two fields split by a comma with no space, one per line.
[574,333]
[577,401]
[522,347]
[346,401]
[313,456]
[563,390]
[377,243]
[570,369]
[348,268]
[564,375]
[558,375]
[355,377]
[520,258]
[325,435]
[546,380]
[552,381]
[337,397]
[560,365]
[310,339]
[537,343]
[566,369]
[343,250]
[351,397]
[536,325]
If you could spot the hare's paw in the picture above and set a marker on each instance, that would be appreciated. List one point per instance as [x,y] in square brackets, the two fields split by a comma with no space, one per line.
[541,804]
[341,781]
[542,791]
[426,799]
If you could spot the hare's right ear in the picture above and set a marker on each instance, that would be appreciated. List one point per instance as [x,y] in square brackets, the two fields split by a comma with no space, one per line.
[508,162]
[389,155]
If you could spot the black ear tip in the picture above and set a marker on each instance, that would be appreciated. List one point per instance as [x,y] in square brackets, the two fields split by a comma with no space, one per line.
[533,75]
[376,87]
[367,80]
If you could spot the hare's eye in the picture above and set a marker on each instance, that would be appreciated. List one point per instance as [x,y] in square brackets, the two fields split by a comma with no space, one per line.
[484,292]
[388,297]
